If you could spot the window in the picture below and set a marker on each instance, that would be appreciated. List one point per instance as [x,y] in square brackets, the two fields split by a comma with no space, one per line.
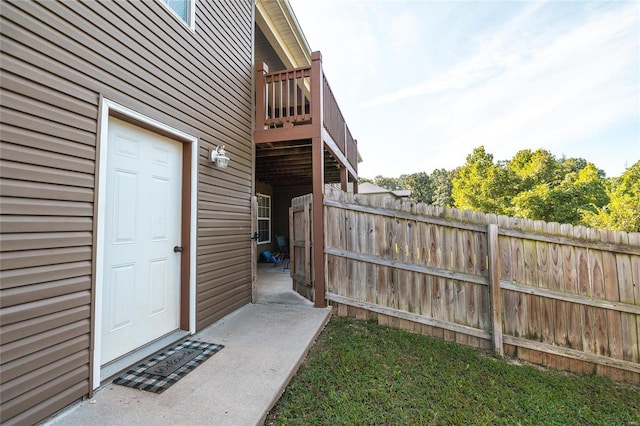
[264,219]
[184,9]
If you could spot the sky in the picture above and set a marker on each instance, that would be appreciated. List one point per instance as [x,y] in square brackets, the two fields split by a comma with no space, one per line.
[422,83]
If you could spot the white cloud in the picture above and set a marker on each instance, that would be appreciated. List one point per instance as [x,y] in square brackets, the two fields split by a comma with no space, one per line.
[565,90]
[346,35]
[530,92]
[404,35]
[496,52]
[552,77]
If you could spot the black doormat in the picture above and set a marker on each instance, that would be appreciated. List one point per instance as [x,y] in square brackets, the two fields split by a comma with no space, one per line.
[163,370]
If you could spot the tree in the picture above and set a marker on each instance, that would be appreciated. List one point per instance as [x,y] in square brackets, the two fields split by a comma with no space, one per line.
[566,201]
[622,212]
[591,189]
[441,187]
[420,186]
[364,180]
[532,168]
[392,184]
[568,165]
[533,185]
[482,185]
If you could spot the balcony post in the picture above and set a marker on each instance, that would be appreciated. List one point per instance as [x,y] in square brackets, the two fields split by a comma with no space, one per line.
[261,95]
[344,142]
[317,159]
[316,93]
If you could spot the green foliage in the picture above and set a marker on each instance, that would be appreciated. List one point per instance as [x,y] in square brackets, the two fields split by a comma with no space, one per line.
[430,189]
[363,373]
[565,201]
[420,186]
[364,180]
[392,184]
[533,185]
[442,186]
[533,169]
[622,213]
[482,185]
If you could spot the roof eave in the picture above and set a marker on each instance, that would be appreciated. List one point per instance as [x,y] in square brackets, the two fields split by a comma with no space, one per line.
[278,22]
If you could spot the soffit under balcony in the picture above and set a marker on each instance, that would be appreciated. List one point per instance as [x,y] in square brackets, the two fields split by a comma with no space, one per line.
[278,23]
[286,163]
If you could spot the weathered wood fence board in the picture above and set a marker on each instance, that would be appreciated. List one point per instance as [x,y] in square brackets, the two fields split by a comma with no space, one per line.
[563,296]
[301,245]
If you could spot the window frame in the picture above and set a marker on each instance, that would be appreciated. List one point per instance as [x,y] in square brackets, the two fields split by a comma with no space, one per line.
[191,25]
[262,218]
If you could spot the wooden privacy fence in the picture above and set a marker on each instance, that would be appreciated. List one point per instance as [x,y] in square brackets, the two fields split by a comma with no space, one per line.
[562,296]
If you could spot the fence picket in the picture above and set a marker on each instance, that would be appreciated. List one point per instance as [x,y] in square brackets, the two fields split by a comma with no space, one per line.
[634,241]
[614,322]
[460,287]
[370,244]
[546,307]
[629,321]
[509,298]
[585,288]
[494,289]
[596,272]
[533,320]
[518,275]
[560,336]
[481,268]
[570,280]
[449,242]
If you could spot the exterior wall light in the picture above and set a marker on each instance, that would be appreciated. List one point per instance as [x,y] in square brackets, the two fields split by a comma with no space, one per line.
[218,157]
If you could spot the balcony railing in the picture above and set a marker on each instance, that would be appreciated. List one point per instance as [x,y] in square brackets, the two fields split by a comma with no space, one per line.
[287,97]
[300,99]
[336,125]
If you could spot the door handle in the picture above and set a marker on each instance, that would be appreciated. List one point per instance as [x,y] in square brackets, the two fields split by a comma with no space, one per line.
[177,249]
[255,236]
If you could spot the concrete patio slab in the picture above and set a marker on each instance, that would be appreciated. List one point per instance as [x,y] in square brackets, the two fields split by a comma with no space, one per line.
[264,345]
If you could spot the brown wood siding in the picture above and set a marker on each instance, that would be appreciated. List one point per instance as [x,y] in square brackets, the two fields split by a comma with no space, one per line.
[58,58]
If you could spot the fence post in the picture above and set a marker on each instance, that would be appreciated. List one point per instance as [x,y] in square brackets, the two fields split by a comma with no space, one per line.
[494,288]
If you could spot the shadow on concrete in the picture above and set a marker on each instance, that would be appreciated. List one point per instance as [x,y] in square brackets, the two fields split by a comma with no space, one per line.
[276,286]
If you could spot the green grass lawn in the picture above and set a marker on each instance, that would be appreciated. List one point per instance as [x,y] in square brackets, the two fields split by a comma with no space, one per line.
[362,373]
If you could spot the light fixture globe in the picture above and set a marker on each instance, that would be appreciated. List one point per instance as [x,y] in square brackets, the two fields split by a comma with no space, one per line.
[219,158]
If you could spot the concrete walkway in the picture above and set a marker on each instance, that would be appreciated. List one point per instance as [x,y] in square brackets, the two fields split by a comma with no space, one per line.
[264,345]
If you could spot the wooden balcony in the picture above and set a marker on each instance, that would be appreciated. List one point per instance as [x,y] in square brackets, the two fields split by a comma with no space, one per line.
[294,107]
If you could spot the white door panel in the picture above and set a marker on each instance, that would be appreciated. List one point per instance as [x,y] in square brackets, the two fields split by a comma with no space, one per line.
[142,225]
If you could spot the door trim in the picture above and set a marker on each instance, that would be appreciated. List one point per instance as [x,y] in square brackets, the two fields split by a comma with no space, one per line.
[189,221]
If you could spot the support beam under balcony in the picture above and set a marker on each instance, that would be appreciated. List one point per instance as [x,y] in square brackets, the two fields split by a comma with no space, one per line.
[344,179]
[282,134]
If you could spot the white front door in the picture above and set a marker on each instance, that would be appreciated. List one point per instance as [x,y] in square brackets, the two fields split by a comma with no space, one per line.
[141,296]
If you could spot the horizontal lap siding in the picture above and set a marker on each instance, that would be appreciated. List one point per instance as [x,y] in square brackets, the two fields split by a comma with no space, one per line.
[224,216]
[57,59]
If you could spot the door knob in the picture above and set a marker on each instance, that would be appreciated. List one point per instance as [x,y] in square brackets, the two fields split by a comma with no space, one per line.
[177,249]
[255,236]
